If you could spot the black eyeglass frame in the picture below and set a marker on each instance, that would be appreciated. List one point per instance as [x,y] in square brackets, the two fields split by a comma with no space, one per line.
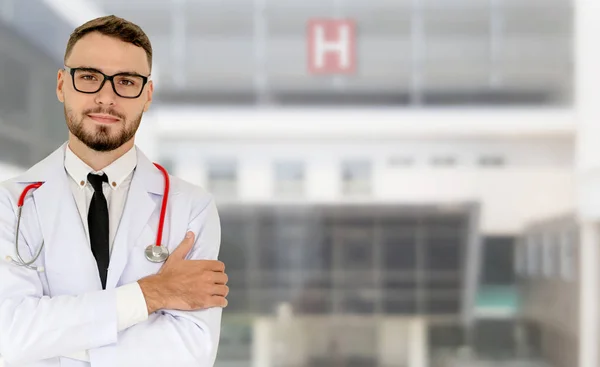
[110,78]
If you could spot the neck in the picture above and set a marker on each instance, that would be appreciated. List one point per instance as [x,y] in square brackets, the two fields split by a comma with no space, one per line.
[97,160]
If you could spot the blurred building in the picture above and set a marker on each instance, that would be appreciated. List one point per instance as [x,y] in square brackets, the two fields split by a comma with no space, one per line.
[382,208]
[33,36]
[557,258]
[548,267]
[425,53]
[413,225]
[368,220]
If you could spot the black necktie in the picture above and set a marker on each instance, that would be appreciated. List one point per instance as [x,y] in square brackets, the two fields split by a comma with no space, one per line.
[98,224]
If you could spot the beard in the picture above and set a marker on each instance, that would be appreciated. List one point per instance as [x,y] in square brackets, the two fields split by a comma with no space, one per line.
[101,139]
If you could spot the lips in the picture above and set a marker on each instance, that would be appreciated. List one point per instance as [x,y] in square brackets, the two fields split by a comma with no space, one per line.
[106,119]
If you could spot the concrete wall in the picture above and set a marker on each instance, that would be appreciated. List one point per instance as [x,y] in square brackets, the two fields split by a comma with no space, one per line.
[295,341]
[536,180]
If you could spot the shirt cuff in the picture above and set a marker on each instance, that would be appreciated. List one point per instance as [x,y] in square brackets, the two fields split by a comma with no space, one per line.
[131,306]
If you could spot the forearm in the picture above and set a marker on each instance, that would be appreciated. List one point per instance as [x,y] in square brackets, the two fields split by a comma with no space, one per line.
[190,337]
[37,328]
[153,293]
[131,310]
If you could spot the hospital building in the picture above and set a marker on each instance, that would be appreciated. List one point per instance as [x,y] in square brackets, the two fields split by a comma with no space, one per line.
[437,206]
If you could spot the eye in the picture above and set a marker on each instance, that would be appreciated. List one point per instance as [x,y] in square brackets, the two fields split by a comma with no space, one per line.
[88,77]
[127,82]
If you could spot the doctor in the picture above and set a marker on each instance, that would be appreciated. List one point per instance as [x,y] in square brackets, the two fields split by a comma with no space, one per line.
[92,298]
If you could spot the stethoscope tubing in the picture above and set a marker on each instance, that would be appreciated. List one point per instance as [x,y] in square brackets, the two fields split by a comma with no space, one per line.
[21,202]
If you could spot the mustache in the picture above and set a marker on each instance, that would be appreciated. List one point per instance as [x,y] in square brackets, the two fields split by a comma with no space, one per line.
[106,111]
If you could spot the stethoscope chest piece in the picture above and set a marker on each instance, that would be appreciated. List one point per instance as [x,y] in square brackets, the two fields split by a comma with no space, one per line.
[156,254]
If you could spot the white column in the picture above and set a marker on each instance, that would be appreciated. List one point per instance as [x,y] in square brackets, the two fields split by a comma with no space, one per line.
[588,307]
[587,102]
[262,343]
[255,177]
[393,342]
[587,63]
[417,343]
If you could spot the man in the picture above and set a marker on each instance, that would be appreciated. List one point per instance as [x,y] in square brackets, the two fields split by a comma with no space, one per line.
[96,300]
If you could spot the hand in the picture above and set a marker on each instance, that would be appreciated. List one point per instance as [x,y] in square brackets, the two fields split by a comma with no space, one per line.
[186,285]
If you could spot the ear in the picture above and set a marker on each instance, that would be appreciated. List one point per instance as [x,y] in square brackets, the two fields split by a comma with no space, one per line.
[150,87]
[60,83]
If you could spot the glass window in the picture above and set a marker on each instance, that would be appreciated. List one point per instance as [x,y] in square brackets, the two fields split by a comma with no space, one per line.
[222,177]
[498,257]
[292,243]
[521,257]
[356,177]
[437,303]
[359,301]
[548,254]
[569,239]
[532,254]
[401,161]
[442,253]
[400,252]
[289,178]
[234,250]
[404,305]
[491,161]
[410,53]
[354,248]
[443,161]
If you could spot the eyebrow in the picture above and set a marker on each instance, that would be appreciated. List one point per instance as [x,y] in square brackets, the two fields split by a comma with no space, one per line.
[131,72]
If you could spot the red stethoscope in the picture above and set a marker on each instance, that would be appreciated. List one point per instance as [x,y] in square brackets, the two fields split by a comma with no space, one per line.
[155,253]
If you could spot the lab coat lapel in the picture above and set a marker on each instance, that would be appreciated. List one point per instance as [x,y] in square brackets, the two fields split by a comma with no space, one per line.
[70,265]
[139,207]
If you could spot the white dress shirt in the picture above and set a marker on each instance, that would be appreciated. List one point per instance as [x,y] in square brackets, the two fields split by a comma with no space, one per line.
[131,304]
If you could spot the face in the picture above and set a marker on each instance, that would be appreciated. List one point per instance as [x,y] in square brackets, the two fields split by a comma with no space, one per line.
[104,121]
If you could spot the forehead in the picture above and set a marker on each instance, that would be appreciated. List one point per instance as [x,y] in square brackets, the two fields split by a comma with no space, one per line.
[108,54]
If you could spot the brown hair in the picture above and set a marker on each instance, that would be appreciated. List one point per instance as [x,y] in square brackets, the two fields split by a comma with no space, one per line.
[112,26]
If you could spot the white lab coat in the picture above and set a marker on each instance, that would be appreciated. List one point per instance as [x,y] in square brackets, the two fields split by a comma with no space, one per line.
[45,316]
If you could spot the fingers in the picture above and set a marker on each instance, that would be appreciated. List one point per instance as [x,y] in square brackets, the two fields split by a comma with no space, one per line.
[220,278]
[218,301]
[211,265]
[216,265]
[184,247]
[220,290]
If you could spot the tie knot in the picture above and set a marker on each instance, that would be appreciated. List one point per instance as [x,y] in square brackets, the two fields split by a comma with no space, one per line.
[97,181]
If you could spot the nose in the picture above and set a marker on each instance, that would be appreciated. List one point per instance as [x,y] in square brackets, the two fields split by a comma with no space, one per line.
[106,95]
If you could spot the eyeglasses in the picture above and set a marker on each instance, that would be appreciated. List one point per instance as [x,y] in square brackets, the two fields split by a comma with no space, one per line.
[126,85]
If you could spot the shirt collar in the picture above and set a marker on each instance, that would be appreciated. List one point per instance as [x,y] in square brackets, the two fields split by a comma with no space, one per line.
[117,172]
